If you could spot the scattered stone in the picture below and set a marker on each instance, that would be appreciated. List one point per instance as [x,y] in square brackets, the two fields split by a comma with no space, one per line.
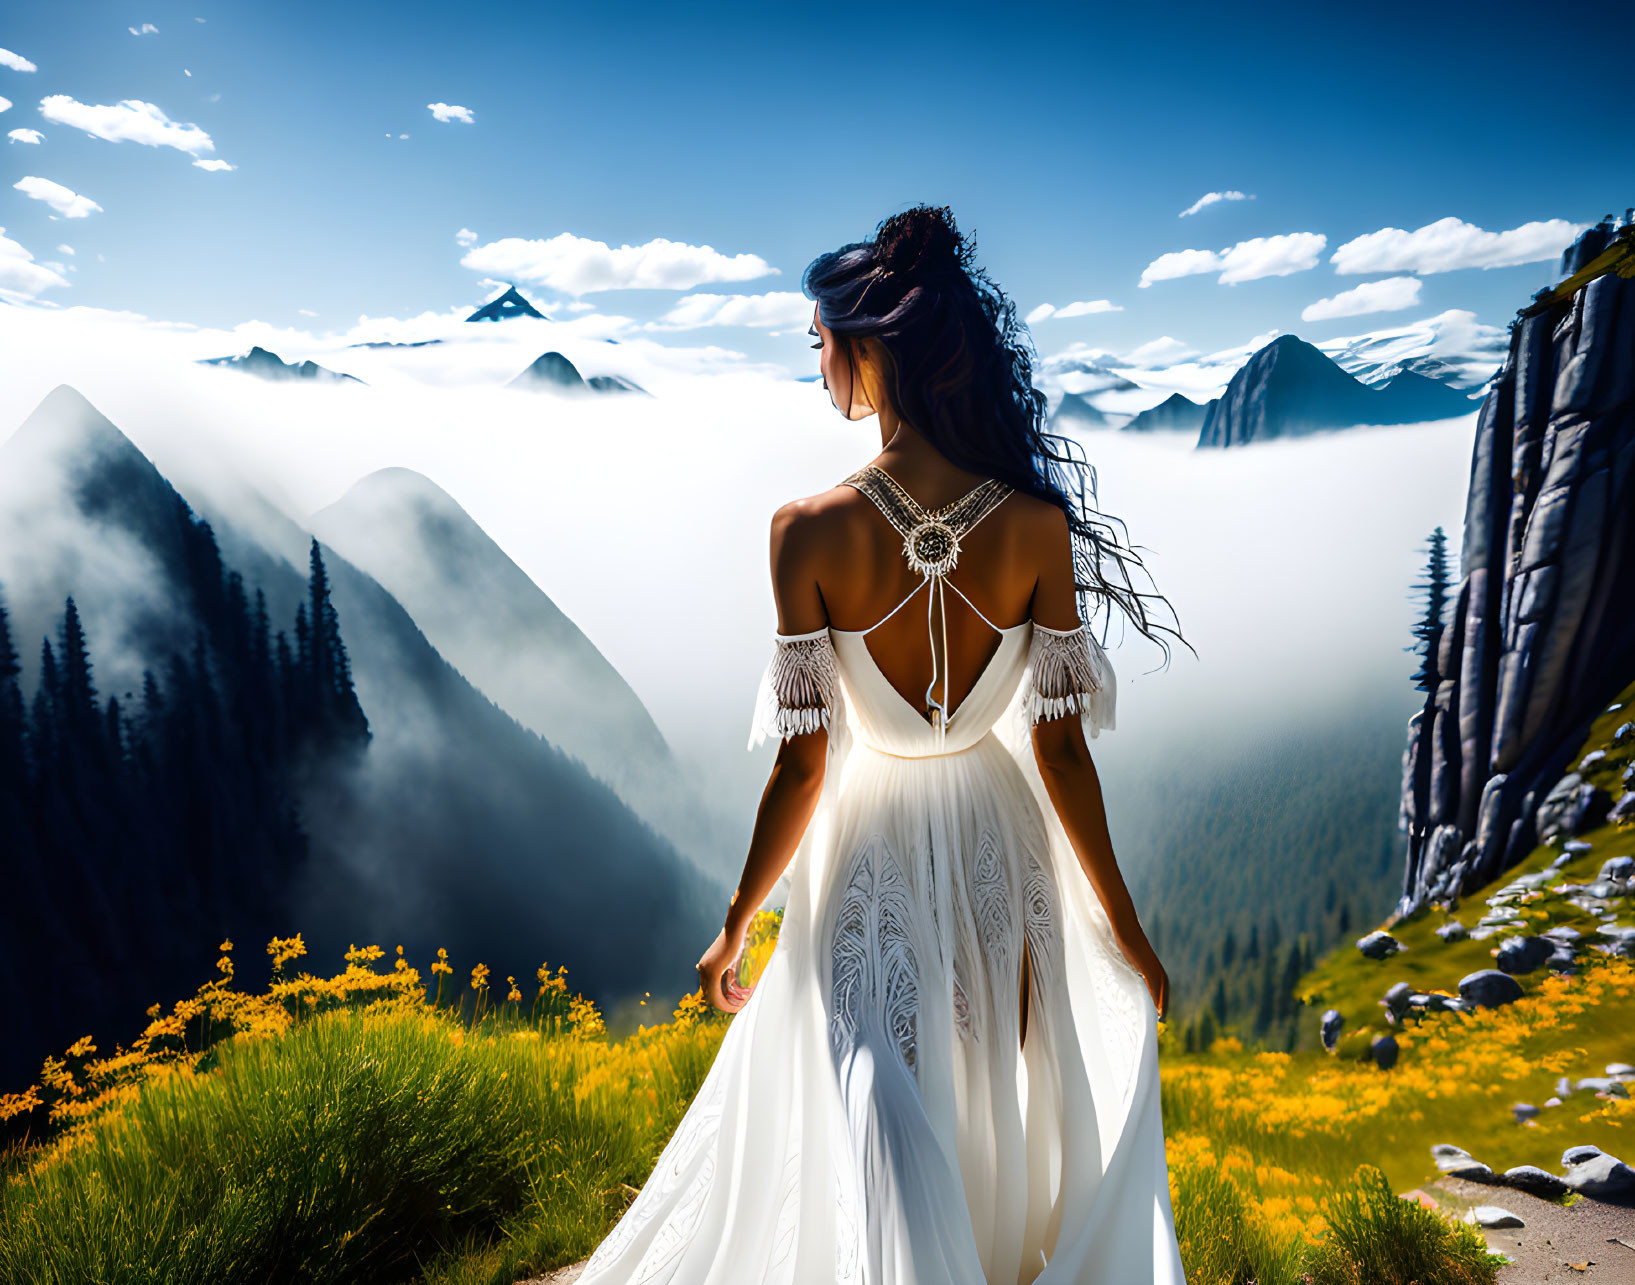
[1560,861]
[1564,1089]
[1578,1155]
[1593,759]
[1575,846]
[1523,1111]
[1523,954]
[1563,934]
[1483,931]
[1379,945]
[1494,1216]
[1535,1181]
[1385,1050]
[1333,1020]
[1620,1070]
[1501,915]
[1602,1176]
[1456,1162]
[1621,868]
[1563,960]
[1625,732]
[1552,1102]
[1602,1084]
[1624,809]
[1453,930]
[1396,1001]
[1489,988]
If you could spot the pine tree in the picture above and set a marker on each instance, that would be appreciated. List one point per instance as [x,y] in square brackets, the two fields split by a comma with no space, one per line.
[1432,593]
[1218,1004]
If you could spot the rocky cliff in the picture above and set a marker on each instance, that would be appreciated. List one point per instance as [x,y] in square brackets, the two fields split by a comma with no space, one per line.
[1542,633]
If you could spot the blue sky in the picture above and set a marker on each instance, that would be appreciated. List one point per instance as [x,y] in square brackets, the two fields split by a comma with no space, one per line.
[1067,138]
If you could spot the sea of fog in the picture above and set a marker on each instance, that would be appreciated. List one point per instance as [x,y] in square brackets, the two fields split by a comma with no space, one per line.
[646,518]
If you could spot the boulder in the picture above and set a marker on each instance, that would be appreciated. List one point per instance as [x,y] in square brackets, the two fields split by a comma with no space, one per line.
[1452,931]
[1523,1111]
[1333,1020]
[1397,1000]
[1620,1070]
[1578,1155]
[1493,1216]
[1456,1162]
[1623,810]
[1604,1177]
[1489,988]
[1384,1050]
[1519,955]
[1535,1181]
[1572,806]
[1379,945]
[1620,868]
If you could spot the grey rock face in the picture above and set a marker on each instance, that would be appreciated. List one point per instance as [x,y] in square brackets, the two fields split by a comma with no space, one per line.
[1572,804]
[1489,988]
[1541,635]
[1379,945]
[1176,413]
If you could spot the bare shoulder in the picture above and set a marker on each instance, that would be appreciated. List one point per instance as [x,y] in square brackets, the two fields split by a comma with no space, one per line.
[1040,523]
[804,528]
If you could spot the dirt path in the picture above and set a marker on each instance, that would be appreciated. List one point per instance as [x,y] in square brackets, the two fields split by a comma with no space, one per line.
[561,1276]
[1556,1239]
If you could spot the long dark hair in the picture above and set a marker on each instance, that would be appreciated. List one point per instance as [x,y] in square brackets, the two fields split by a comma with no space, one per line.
[960,373]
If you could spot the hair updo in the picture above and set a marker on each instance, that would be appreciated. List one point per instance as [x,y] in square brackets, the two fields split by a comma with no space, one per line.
[960,373]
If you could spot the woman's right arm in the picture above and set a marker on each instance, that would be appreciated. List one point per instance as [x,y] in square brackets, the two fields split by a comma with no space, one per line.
[1070,775]
[792,790]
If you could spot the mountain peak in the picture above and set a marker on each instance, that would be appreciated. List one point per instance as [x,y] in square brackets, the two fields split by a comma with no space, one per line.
[505,307]
[66,422]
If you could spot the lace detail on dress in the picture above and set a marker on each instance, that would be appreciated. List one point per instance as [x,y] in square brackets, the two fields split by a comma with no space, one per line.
[1069,673]
[930,536]
[800,690]
[875,972]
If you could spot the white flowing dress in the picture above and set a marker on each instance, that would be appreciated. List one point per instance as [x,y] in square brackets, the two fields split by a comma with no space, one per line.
[870,1117]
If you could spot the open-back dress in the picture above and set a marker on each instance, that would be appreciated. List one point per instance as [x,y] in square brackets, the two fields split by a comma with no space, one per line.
[873,1115]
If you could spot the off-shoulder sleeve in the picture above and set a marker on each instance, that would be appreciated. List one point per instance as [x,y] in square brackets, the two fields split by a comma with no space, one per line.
[1069,673]
[800,690]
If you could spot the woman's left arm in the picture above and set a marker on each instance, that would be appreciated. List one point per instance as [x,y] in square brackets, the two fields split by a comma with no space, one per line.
[792,790]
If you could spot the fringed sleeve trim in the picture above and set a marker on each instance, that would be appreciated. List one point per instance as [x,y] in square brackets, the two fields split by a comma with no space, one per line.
[800,690]
[1069,673]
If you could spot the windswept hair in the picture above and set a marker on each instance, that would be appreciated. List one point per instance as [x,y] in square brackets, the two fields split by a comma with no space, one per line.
[960,373]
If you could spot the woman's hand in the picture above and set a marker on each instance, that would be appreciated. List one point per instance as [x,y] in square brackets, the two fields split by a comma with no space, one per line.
[718,972]
[1144,959]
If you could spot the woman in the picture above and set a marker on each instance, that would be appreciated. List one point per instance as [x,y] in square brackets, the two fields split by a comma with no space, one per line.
[947,1072]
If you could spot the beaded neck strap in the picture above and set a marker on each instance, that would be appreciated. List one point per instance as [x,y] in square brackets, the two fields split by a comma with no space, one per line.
[931,545]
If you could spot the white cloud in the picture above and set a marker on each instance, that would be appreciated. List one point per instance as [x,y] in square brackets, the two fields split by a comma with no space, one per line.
[764,311]
[465,236]
[20,276]
[69,204]
[1179,263]
[1083,308]
[1162,351]
[306,312]
[449,111]
[26,136]
[5,104]
[187,73]
[15,61]
[1387,295]
[213,164]
[1209,198]
[1271,256]
[129,121]
[146,29]
[65,249]
[577,265]
[579,305]
[1261,256]
[1452,243]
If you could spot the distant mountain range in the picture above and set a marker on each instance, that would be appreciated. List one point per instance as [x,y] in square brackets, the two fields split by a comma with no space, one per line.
[552,372]
[459,827]
[1290,388]
[269,365]
[1075,409]
[1175,413]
